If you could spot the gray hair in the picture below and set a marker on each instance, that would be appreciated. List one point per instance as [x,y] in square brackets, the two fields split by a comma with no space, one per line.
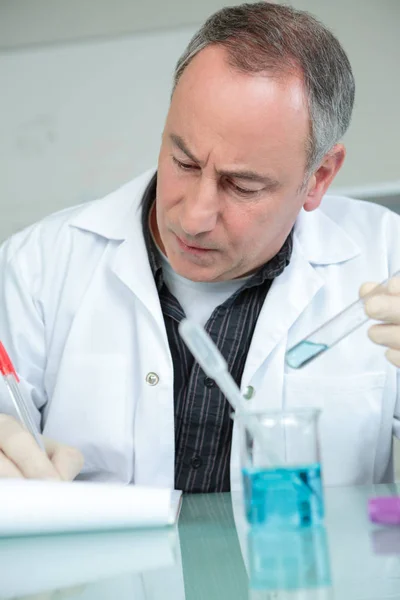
[276,39]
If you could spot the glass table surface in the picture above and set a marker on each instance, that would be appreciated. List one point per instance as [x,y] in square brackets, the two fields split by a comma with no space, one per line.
[212,555]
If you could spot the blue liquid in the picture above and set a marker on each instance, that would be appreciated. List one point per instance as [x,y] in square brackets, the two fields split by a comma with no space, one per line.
[288,559]
[303,352]
[284,496]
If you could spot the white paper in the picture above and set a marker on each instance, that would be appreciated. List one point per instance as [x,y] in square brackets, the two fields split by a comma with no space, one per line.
[40,507]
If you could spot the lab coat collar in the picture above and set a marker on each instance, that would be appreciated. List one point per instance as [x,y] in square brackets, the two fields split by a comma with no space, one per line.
[115,216]
[321,240]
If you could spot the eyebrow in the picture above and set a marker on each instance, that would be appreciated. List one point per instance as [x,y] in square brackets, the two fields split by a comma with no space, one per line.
[270,182]
[179,143]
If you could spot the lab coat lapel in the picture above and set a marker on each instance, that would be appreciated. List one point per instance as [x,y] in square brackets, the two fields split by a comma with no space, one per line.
[289,295]
[117,218]
[317,241]
[131,266]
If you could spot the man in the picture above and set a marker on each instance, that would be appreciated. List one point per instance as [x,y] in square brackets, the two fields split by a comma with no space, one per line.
[234,231]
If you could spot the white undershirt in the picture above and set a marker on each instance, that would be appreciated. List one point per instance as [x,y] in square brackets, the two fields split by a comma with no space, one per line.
[197,298]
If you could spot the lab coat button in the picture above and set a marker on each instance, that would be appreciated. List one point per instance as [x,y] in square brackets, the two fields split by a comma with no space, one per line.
[249,392]
[152,378]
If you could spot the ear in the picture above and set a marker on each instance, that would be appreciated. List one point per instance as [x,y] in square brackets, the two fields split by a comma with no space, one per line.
[323,177]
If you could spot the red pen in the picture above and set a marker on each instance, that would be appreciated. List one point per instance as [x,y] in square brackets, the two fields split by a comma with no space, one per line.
[11,380]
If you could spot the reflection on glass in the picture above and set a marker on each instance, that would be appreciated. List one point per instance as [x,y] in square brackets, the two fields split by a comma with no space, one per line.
[213,566]
[291,563]
[74,560]
[385,541]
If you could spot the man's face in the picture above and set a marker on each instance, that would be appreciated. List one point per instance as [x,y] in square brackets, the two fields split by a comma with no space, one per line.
[231,164]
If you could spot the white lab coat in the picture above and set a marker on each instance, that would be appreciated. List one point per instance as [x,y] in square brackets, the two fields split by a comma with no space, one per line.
[81,318]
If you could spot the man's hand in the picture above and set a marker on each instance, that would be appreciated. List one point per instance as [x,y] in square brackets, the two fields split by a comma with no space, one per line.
[385,306]
[20,455]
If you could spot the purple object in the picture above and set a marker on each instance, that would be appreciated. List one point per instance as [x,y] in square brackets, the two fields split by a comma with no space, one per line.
[385,510]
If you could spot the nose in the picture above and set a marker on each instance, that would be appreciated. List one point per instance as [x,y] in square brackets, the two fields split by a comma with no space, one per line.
[200,210]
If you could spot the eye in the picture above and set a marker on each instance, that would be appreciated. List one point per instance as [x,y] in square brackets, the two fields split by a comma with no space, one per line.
[243,191]
[184,166]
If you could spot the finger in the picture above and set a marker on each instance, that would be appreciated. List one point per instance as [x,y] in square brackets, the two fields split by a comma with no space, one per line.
[393,356]
[385,335]
[8,469]
[383,308]
[366,288]
[67,461]
[393,286]
[21,448]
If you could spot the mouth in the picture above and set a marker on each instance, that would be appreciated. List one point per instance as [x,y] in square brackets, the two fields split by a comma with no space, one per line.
[192,249]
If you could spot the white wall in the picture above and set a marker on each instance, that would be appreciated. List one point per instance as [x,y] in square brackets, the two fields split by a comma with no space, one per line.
[24,22]
[369,31]
[79,118]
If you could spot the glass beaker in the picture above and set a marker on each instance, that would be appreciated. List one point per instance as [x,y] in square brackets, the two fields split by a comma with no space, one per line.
[287,493]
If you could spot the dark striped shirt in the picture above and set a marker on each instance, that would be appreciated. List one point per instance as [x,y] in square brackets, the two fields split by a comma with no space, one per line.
[203,426]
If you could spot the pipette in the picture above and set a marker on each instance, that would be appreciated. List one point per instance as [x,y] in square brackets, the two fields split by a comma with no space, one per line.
[214,365]
[12,383]
[333,331]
